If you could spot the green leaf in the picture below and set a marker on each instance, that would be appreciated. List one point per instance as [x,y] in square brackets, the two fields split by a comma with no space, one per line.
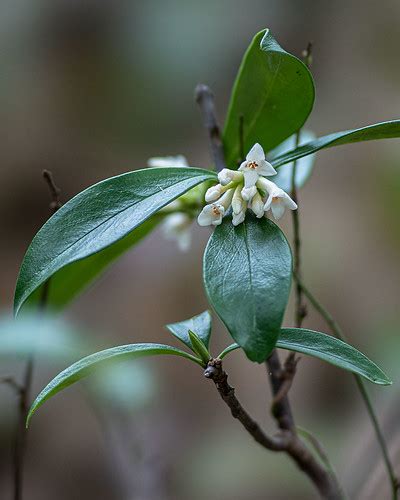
[74,278]
[333,351]
[200,324]
[97,218]
[247,276]
[273,93]
[384,130]
[304,167]
[328,348]
[89,364]
[199,348]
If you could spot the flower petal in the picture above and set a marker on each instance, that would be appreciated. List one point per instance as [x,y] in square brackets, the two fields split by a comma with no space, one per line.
[205,216]
[289,203]
[266,169]
[250,178]
[268,203]
[256,153]
[243,166]
[238,218]
[278,209]
[248,193]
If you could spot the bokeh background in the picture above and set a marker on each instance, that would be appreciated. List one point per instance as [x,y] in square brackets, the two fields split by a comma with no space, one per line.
[90,89]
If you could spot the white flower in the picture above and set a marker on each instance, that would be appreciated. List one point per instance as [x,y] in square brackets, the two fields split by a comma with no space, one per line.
[249,192]
[177,227]
[226,176]
[239,217]
[213,193]
[278,201]
[255,166]
[211,215]
[238,203]
[257,205]
[168,161]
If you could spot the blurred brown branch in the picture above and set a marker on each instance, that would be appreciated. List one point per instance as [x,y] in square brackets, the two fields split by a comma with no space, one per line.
[25,388]
[205,99]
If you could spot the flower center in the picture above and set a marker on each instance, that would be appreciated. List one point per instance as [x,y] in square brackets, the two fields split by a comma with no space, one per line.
[275,199]
[216,210]
[252,164]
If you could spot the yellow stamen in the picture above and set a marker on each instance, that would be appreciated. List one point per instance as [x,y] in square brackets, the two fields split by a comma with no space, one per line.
[253,165]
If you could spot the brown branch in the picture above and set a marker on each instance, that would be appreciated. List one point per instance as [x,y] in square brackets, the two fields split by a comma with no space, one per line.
[286,441]
[205,99]
[25,388]
[215,372]
[287,376]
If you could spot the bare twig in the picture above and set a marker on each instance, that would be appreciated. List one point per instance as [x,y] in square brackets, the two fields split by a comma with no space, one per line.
[205,99]
[25,389]
[287,376]
[11,382]
[286,441]
[300,307]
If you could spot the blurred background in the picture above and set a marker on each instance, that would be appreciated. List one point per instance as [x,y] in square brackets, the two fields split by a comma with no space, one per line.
[90,89]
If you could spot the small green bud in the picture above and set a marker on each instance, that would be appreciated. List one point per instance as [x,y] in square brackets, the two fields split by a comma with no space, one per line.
[199,347]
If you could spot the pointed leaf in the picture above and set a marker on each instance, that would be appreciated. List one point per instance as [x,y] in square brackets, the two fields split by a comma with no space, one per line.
[333,351]
[247,276]
[71,280]
[384,130]
[87,365]
[329,349]
[200,324]
[304,166]
[273,92]
[99,217]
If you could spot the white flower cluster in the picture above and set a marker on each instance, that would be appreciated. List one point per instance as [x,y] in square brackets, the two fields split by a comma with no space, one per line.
[245,188]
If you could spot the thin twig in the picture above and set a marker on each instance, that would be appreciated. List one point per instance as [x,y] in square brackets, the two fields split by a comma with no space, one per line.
[205,99]
[300,307]
[287,376]
[25,389]
[286,441]
[11,382]
[338,332]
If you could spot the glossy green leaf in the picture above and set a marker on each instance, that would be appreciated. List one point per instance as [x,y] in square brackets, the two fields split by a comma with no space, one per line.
[304,166]
[99,217]
[384,130]
[273,93]
[247,276]
[328,348]
[89,364]
[200,324]
[74,278]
